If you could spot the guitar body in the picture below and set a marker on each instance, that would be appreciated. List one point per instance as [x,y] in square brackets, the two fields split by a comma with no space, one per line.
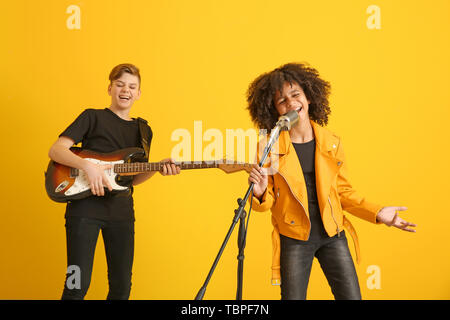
[63,183]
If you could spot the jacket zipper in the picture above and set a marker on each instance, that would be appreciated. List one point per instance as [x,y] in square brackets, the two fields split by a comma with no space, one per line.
[309,233]
[332,215]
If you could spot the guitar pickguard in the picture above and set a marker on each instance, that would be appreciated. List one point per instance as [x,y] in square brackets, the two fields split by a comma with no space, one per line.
[81,183]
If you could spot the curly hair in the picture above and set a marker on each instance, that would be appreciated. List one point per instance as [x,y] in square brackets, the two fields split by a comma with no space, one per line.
[261,93]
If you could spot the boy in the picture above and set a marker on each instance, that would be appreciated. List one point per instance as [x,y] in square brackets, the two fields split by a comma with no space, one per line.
[104,130]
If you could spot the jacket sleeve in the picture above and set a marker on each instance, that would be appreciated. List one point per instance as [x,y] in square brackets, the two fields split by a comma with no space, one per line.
[267,199]
[351,201]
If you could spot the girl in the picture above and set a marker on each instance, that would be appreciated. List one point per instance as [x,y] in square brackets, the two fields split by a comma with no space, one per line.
[310,191]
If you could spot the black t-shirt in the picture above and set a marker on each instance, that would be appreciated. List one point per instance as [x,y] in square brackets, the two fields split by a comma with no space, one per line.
[101,130]
[306,156]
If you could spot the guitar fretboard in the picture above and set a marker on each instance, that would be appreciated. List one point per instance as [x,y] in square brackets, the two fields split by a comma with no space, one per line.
[157,166]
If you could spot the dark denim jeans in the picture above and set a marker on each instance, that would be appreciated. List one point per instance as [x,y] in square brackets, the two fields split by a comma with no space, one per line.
[118,238]
[334,258]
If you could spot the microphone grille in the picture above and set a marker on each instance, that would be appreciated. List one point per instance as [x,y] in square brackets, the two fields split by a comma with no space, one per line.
[290,119]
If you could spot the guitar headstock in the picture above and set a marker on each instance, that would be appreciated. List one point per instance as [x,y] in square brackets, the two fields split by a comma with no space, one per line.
[231,167]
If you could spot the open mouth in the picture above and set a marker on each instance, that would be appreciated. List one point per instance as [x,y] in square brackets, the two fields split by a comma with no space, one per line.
[299,109]
[124,98]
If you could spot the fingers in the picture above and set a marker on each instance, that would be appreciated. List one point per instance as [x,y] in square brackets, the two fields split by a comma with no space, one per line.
[105,180]
[106,183]
[405,224]
[399,222]
[255,175]
[257,168]
[402,224]
[100,180]
[394,219]
[408,224]
[93,188]
[390,217]
[97,187]
[169,167]
[258,171]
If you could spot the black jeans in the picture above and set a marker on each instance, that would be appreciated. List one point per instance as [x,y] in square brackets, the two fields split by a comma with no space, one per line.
[334,258]
[118,238]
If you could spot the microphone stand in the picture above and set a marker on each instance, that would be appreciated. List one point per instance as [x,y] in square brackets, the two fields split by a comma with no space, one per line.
[239,215]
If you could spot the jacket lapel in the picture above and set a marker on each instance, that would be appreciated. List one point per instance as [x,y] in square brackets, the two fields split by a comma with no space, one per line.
[289,167]
[327,162]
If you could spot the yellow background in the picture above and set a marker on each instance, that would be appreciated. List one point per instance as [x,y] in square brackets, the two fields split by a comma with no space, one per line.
[390,104]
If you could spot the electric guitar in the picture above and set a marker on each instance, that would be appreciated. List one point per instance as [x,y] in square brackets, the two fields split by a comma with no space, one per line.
[64,183]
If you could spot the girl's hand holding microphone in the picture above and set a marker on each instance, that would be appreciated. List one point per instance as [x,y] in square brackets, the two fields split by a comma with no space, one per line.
[258,176]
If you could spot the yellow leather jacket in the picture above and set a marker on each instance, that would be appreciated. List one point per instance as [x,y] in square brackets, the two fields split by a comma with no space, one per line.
[286,194]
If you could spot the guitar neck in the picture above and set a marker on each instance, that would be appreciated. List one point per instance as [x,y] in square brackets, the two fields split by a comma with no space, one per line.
[140,167]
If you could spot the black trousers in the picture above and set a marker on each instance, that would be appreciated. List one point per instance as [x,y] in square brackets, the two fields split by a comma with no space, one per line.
[82,235]
[334,258]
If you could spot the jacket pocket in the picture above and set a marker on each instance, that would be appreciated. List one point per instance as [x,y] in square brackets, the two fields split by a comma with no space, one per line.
[291,219]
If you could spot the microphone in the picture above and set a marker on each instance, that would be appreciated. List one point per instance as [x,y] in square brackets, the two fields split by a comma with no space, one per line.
[288,120]
[285,123]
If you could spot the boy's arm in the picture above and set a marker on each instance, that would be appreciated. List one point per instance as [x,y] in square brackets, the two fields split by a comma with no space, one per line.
[59,152]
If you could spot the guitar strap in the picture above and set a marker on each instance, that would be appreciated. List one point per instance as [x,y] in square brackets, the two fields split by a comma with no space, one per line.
[146,136]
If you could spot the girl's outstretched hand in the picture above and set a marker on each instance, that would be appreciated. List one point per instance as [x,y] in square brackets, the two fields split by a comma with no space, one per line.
[389,216]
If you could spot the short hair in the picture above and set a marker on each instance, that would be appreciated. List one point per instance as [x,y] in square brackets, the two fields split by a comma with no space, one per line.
[118,70]
[261,93]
